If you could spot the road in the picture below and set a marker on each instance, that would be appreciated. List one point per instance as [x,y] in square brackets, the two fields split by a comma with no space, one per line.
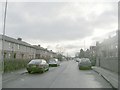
[67,75]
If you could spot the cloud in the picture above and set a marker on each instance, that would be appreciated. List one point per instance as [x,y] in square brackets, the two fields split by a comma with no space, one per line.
[50,23]
[46,24]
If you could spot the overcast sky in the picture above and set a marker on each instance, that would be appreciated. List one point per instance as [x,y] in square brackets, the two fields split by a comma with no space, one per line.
[65,26]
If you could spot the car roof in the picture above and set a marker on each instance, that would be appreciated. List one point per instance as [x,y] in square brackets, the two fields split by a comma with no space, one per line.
[37,60]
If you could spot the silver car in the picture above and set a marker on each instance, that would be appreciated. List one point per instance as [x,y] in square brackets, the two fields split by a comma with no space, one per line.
[37,65]
[54,62]
[84,64]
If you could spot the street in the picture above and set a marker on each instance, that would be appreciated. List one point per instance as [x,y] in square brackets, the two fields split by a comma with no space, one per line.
[67,75]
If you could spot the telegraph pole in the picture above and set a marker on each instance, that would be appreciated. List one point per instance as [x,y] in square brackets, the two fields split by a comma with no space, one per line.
[3,36]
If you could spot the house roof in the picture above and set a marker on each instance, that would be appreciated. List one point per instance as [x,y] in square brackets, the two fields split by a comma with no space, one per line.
[12,40]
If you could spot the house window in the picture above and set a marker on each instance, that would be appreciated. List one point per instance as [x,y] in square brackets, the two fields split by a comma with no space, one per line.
[14,46]
[9,45]
[18,46]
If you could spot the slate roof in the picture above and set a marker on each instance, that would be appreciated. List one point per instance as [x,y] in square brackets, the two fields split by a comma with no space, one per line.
[12,40]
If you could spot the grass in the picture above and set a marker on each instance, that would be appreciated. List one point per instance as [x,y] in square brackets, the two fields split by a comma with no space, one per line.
[12,65]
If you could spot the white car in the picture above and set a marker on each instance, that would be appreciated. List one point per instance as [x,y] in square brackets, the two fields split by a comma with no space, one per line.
[54,62]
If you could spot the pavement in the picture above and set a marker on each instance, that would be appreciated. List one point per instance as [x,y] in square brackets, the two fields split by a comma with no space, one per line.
[67,75]
[110,76]
[12,75]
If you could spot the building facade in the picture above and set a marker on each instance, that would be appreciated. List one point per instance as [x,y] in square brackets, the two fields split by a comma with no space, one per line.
[18,49]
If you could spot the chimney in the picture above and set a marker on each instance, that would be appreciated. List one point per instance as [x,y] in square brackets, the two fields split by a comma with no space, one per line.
[20,39]
[39,45]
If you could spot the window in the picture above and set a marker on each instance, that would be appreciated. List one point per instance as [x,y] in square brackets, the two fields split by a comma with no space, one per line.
[14,46]
[9,45]
[18,46]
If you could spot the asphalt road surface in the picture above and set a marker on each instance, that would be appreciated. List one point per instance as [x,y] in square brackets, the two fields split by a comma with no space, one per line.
[67,75]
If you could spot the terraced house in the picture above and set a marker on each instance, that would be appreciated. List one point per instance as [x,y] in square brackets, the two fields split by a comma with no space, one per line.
[44,53]
[18,49]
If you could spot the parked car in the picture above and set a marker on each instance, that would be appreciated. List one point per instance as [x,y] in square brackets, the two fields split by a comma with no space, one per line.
[54,62]
[84,64]
[37,65]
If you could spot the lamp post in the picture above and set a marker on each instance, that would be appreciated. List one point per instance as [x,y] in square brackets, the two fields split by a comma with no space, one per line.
[3,36]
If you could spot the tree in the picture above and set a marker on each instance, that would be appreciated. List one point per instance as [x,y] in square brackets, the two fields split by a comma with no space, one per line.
[87,53]
[82,54]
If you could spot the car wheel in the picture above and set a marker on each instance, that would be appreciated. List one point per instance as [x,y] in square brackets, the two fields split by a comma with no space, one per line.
[29,71]
[43,71]
[48,69]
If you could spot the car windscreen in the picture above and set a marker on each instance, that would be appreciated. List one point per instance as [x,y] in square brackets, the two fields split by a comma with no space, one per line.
[35,62]
[85,60]
[52,61]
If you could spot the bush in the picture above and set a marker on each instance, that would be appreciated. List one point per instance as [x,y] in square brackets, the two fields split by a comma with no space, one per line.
[11,65]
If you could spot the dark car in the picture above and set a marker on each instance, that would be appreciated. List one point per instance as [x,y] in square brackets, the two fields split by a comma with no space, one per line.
[54,62]
[84,64]
[37,65]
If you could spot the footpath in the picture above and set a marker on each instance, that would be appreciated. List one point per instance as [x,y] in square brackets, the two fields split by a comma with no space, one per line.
[12,75]
[110,76]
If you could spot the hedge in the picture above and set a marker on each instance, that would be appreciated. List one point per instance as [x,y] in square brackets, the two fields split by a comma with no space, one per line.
[12,65]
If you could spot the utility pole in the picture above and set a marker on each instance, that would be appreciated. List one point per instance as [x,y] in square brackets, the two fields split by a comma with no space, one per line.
[3,36]
[5,13]
[84,45]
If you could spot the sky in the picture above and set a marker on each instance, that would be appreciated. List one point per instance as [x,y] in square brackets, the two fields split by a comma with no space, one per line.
[61,26]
